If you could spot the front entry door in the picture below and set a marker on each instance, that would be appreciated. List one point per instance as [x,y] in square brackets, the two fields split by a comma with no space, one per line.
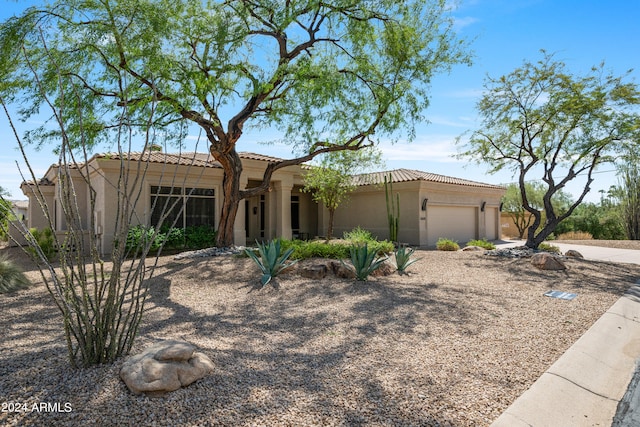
[255,218]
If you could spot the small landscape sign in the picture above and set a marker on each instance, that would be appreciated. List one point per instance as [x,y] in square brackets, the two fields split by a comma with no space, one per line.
[560,295]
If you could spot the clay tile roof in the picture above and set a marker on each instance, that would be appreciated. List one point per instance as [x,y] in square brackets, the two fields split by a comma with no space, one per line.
[254,156]
[405,175]
[186,158]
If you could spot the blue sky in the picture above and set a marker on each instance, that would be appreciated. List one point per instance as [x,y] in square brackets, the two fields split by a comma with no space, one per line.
[504,33]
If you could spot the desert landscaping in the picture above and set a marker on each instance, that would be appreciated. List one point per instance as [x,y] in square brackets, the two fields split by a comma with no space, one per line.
[453,343]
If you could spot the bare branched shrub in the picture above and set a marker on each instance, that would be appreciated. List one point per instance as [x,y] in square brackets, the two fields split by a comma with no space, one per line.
[101,298]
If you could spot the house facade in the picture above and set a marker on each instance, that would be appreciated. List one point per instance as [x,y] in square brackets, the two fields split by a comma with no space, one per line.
[431,206]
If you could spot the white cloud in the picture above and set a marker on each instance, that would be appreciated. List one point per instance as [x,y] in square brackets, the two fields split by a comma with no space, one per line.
[457,122]
[465,93]
[434,148]
[462,22]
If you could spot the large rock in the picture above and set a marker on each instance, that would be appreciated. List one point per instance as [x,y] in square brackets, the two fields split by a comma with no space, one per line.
[342,271]
[385,269]
[164,367]
[573,253]
[547,261]
[473,248]
[318,271]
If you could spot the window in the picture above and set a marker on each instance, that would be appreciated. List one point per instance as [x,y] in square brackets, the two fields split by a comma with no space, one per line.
[186,206]
[295,215]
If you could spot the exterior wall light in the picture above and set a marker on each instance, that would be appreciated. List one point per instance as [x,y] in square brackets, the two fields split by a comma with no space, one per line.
[424,204]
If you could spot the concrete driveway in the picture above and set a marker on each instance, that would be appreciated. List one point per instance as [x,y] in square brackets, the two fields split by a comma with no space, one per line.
[629,256]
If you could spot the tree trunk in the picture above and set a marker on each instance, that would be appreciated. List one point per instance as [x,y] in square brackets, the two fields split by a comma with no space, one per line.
[549,227]
[532,239]
[330,228]
[232,166]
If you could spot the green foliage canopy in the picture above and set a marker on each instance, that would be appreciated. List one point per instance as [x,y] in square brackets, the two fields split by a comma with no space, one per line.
[331,181]
[541,119]
[535,192]
[628,193]
[327,75]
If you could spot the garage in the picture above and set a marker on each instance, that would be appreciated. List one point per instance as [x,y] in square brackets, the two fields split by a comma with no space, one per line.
[457,223]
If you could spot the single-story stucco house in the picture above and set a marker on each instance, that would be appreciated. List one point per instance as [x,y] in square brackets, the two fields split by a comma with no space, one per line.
[431,206]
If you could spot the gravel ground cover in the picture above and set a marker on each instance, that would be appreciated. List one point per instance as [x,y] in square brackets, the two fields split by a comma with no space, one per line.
[453,343]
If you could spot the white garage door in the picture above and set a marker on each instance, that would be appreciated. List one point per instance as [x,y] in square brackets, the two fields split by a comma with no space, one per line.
[451,222]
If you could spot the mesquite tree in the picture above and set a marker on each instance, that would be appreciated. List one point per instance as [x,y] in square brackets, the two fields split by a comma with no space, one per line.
[327,75]
[512,203]
[548,124]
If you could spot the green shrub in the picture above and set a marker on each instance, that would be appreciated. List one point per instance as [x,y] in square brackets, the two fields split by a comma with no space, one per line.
[192,237]
[320,249]
[272,261]
[363,261]
[549,248]
[139,236]
[11,277]
[483,243]
[403,258]
[359,236]
[46,240]
[199,237]
[447,245]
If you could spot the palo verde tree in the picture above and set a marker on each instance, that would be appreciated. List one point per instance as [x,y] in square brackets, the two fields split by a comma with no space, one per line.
[512,203]
[541,120]
[332,180]
[327,75]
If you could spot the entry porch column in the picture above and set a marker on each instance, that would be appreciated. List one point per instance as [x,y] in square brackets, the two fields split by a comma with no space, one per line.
[239,232]
[283,209]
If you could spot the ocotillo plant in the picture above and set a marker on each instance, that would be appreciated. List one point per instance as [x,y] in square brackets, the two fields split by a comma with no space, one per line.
[393,209]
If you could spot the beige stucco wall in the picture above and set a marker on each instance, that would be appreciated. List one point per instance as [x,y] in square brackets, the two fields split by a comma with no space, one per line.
[452,211]
[105,175]
[36,215]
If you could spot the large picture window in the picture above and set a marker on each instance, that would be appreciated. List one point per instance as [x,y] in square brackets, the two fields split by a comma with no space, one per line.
[188,207]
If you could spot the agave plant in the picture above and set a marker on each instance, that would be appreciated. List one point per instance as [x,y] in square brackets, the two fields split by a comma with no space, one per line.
[271,262]
[11,277]
[363,261]
[403,258]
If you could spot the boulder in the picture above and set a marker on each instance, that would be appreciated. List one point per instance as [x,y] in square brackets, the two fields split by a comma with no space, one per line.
[385,269]
[318,271]
[573,253]
[163,367]
[547,261]
[472,248]
[342,271]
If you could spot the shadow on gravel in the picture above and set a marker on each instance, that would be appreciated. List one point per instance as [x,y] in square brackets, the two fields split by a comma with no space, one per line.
[349,353]
[273,347]
[585,275]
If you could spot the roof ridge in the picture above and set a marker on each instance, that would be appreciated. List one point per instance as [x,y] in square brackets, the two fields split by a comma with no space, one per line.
[407,174]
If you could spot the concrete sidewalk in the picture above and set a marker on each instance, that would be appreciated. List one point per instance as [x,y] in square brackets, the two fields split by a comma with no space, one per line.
[595,381]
